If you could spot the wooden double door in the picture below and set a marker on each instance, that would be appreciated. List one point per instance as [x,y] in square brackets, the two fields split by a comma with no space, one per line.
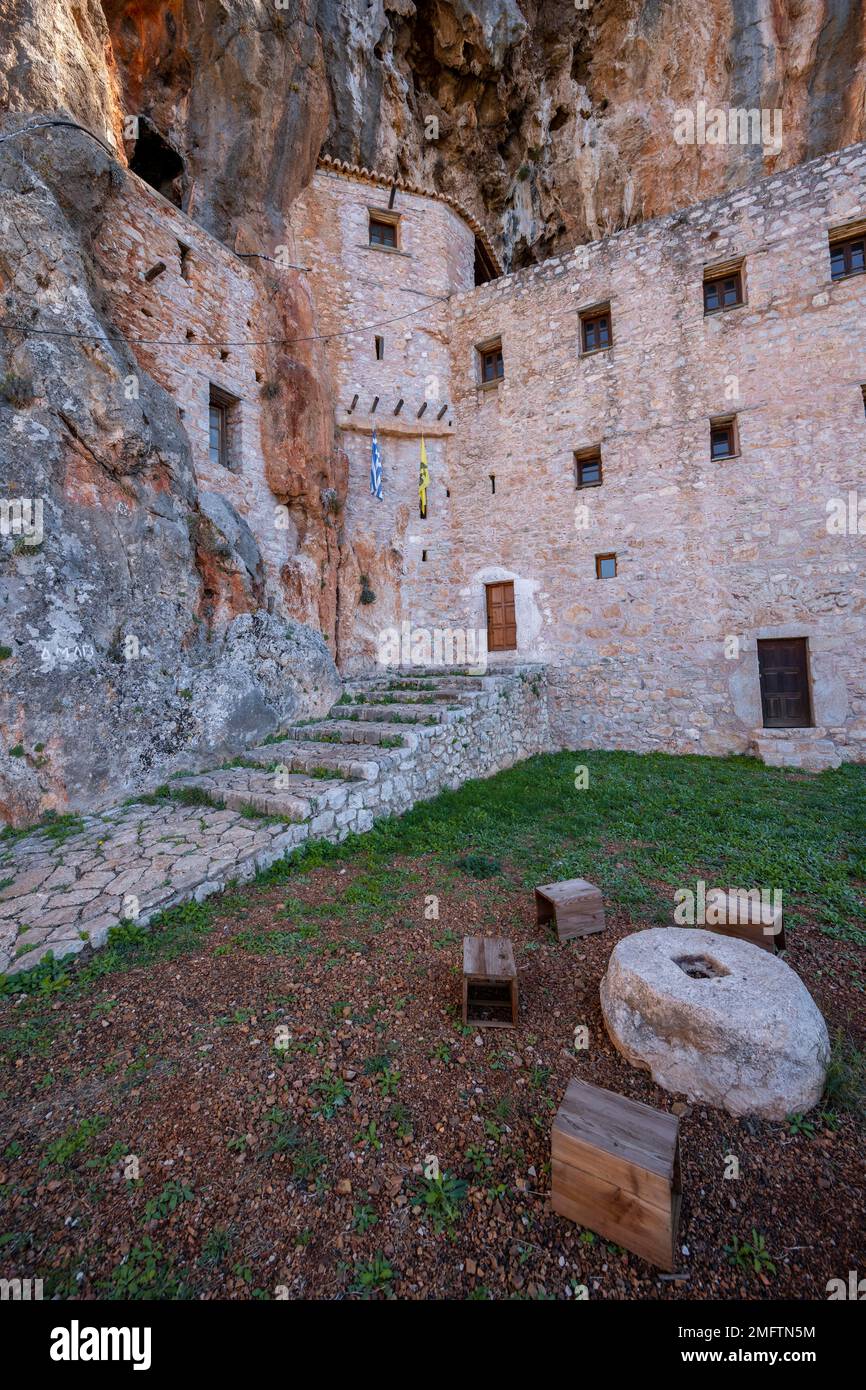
[783,667]
[501,621]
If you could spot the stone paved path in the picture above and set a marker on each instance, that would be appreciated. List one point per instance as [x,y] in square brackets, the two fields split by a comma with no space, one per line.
[390,742]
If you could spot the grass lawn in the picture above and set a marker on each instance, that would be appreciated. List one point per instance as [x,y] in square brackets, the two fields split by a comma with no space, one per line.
[240,1101]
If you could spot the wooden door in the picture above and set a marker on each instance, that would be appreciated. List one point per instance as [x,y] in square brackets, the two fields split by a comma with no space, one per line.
[501,622]
[784,674]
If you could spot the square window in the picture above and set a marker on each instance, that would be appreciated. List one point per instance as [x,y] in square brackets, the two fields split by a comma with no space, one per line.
[384,230]
[587,468]
[723,438]
[491,363]
[723,290]
[605,566]
[596,330]
[847,256]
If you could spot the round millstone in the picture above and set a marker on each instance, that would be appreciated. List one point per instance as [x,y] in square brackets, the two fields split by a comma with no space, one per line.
[716,1019]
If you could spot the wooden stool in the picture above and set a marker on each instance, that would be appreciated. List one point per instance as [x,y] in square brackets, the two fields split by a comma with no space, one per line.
[616,1170]
[574,906]
[743,919]
[489,982]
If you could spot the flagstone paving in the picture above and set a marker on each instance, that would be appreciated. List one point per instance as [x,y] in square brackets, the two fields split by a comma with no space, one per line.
[64,886]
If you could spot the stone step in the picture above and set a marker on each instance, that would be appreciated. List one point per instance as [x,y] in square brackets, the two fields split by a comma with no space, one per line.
[142,858]
[442,696]
[807,749]
[359,731]
[424,685]
[397,714]
[292,796]
[362,764]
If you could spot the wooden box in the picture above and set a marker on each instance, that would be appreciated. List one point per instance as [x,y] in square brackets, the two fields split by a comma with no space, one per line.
[574,906]
[743,919]
[489,982]
[615,1169]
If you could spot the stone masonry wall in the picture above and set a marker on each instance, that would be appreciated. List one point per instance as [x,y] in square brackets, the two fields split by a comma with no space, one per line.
[705,550]
[711,556]
[362,292]
[205,295]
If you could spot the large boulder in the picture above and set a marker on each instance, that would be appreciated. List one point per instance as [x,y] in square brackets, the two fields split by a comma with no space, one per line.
[716,1019]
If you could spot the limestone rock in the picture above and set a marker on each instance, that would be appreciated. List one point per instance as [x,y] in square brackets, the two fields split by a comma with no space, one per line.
[716,1019]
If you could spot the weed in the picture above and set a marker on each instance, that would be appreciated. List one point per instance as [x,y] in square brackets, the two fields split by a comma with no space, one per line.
[363,1218]
[750,1254]
[334,1093]
[61,1152]
[372,1277]
[440,1199]
[146,1272]
[162,1206]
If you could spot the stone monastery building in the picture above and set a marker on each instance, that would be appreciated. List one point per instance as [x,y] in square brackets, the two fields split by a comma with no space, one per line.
[645,456]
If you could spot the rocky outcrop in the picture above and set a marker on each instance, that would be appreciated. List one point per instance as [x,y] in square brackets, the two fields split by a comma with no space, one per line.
[133,637]
[553,122]
[716,1019]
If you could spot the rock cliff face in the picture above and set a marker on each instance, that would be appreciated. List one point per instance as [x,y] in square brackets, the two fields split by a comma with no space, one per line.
[552,121]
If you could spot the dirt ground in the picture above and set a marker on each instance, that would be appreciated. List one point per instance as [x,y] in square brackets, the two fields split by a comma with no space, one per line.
[251,1118]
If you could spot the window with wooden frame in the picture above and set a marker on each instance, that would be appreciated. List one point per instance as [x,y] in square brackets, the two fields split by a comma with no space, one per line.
[605,566]
[385,230]
[863,394]
[596,329]
[847,251]
[723,287]
[222,410]
[724,443]
[587,468]
[491,364]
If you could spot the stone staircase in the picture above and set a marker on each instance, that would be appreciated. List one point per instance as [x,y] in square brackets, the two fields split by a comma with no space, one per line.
[392,740]
[812,750]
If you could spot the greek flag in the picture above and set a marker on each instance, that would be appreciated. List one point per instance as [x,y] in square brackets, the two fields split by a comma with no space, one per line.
[375,468]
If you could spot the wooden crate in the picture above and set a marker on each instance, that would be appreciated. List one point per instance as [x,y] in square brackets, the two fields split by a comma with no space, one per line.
[574,906]
[771,937]
[489,982]
[616,1170]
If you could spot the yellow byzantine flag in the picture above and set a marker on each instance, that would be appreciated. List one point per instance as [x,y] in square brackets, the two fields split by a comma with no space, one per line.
[423,480]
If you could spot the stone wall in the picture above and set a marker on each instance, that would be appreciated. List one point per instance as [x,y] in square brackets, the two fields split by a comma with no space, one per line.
[363,292]
[711,556]
[706,551]
[190,327]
